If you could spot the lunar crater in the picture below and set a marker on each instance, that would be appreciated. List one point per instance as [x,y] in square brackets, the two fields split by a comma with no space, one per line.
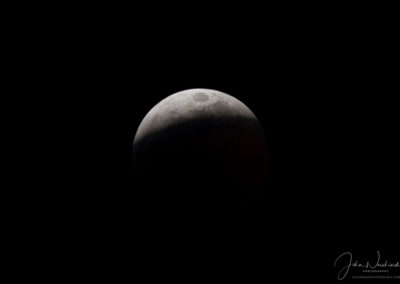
[200,97]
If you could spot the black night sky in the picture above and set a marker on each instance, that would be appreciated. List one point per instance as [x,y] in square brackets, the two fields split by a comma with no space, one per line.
[321,88]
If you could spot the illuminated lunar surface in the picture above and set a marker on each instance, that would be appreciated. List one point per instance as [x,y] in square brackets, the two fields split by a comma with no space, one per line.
[201,146]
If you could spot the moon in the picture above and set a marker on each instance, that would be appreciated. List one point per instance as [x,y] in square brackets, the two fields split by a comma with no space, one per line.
[200,147]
